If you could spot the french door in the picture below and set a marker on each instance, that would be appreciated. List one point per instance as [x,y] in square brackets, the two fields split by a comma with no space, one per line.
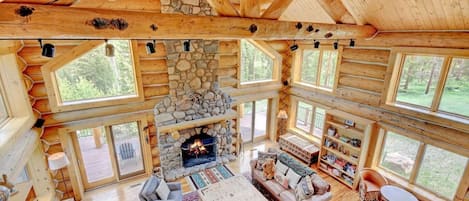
[108,154]
[254,120]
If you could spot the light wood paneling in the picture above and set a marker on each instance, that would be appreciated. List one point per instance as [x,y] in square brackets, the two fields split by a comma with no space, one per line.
[369,55]
[306,11]
[365,70]
[411,15]
[276,9]
[337,11]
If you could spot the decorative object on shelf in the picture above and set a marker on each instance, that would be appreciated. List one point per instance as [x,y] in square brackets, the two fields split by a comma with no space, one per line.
[350,123]
[11,188]
[58,161]
[282,124]
[331,131]
[355,142]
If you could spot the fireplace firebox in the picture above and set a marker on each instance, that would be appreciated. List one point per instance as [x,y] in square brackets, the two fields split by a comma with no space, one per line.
[198,149]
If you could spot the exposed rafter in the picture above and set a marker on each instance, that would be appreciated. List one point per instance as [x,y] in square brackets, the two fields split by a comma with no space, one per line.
[276,9]
[337,11]
[51,22]
[250,8]
[224,8]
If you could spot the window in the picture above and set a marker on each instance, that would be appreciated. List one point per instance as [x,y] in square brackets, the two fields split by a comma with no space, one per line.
[435,169]
[316,67]
[433,81]
[309,119]
[259,63]
[90,76]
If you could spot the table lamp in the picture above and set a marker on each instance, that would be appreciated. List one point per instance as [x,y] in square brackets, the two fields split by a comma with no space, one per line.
[58,161]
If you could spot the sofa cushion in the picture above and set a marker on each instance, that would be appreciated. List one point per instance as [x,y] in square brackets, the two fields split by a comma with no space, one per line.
[282,180]
[293,179]
[281,168]
[287,196]
[257,174]
[320,186]
[163,190]
[295,165]
[304,190]
[273,187]
[262,158]
[175,195]
[149,188]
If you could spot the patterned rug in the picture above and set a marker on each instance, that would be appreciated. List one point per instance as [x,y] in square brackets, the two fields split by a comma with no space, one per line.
[208,176]
[192,196]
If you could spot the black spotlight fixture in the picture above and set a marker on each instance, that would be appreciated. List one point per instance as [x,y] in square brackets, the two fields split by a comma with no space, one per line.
[294,47]
[151,47]
[310,28]
[48,50]
[336,45]
[187,45]
[352,43]
[109,49]
[298,25]
[316,44]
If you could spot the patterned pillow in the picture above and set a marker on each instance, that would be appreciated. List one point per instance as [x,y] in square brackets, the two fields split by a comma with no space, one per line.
[282,168]
[320,186]
[293,178]
[262,157]
[304,190]
[281,179]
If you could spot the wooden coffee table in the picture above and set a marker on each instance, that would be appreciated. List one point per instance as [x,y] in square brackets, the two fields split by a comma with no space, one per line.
[236,188]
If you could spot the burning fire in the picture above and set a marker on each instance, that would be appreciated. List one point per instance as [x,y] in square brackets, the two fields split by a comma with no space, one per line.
[197,148]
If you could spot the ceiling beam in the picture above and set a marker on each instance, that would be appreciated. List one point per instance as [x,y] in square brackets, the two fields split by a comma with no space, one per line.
[337,11]
[276,9]
[224,8]
[56,22]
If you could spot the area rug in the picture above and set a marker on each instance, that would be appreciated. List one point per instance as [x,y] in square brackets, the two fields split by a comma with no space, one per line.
[192,196]
[208,176]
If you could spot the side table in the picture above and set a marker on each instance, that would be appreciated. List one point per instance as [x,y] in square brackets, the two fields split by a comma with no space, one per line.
[394,193]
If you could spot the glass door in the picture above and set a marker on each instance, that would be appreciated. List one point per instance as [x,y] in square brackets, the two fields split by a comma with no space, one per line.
[94,157]
[128,150]
[253,121]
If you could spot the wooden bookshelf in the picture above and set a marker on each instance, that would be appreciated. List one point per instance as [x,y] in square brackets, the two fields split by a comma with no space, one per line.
[340,155]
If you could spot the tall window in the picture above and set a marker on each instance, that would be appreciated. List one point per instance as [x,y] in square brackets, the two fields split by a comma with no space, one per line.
[437,170]
[432,82]
[309,119]
[316,67]
[256,65]
[94,75]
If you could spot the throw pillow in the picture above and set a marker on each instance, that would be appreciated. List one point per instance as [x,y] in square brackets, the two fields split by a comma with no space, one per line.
[304,190]
[262,157]
[281,179]
[320,186]
[293,179]
[269,169]
[163,190]
[280,167]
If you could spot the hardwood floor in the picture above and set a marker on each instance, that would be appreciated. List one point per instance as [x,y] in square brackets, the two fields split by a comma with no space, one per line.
[128,190]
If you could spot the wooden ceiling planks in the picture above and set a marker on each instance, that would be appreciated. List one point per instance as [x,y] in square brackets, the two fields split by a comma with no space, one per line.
[137,5]
[388,15]
[306,11]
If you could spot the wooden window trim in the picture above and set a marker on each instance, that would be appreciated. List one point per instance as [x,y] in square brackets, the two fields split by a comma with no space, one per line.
[431,114]
[276,69]
[297,65]
[50,80]
[292,120]
[411,182]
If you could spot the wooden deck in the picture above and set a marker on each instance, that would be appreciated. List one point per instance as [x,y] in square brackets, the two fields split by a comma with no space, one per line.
[128,190]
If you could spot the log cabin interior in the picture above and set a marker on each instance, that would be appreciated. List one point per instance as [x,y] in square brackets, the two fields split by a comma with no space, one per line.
[234,100]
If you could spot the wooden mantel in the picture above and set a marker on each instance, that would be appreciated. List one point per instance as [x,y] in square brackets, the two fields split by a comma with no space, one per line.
[22,21]
[230,114]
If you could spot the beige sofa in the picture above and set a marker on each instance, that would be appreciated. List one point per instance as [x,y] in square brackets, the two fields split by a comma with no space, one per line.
[276,190]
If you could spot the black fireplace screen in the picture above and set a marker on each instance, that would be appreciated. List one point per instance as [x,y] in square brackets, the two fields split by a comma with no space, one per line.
[199,149]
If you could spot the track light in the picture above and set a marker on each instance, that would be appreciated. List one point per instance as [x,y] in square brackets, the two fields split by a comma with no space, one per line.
[336,45]
[352,43]
[298,25]
[294,47]
[151,47]
[187,45]
[316,44]
[48,50]
[110,50]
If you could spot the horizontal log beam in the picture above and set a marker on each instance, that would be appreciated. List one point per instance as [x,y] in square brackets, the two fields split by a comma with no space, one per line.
[53,22]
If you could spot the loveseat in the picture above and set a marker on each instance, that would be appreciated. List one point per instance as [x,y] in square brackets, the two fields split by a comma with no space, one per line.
[279,192]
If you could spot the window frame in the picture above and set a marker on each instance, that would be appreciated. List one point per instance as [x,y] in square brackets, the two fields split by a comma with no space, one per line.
[292,121]
[51,84]
[269,51]
[393,76]
[21,117]
[411,181]
[297,66]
